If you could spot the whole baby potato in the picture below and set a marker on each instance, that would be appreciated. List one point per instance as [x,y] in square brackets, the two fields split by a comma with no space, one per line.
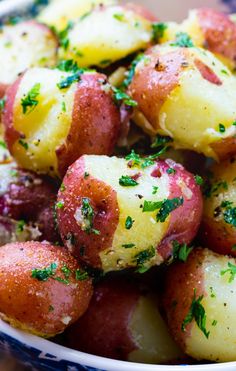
[168,85]
[59,12]
[90,44]
[115,213]
[52,117]
[41,290]
[27,203]
[218,230]
[24,45]
[199,303]
[123,322]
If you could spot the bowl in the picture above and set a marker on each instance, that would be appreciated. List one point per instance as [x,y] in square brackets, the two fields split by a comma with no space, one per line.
[40,354]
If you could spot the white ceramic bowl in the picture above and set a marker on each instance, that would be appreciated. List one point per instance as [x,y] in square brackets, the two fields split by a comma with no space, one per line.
[40,354]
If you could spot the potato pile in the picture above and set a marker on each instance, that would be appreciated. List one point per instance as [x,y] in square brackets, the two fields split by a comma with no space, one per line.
[118,181]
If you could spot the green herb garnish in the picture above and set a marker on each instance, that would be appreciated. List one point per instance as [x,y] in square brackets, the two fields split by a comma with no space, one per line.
[199,180]
[197,313]
[120,97]
[181,251]
[87,212]
[128,245]
[183,40]
[69,80]
[45,273]
[20,226]
[127,181]
[143,257]
[30,101]
[221,128]
[23,144]
[158,31]
[231,270]
[129,222]
[81,275]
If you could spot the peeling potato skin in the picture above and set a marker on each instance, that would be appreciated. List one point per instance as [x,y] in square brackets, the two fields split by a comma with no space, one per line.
[104,202]
[181,183]
[31,198]
[178,293]
[215,233]
[25,301]
[104,329]
[98,119]
[152,84]
[219,32]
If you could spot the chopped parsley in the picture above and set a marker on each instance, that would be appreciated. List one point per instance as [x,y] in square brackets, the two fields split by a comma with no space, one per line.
[63,107]
[20,226]
[161,143]
[2,103]
[63,35]
[81,275]
[230,215]
[66,271]
[121,97]
[119,17]
[221,128]
[23,144]
[62,187]
[197,313]
[165,207]
[86,175]
[212,189]
[199,180]
[143,257]
[135,159]
[129,222]
[3,144]
[68,66]
[59,205]
[183,40]
[30,101]
[87,212]
[128,245]
[45,273]
[181,251]
[214,322]
[127,181]
[69,80]
[171,171]
[155,190]
[131,72]
[231,270]
[158,31]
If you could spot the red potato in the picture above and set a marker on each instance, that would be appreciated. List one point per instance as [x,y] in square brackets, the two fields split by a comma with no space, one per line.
[168,85]
[24,45]
[123,322]
[107,224]
[218,229]
[27,205]
[39,292]
[214,31]
[142,11]
[68,119]
[199,303]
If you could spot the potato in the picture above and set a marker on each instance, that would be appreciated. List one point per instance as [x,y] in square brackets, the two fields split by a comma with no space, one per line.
[199,302]
[90,44]
[218,230]
[41,290]
[168,85]
[214,31]
[25,45]
[26,205]
[123,322]
[59,12]
[52,117]
[115,213]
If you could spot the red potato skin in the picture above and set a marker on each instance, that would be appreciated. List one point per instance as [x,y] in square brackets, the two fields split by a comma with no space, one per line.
[219,31]
[185,220]
[141,11]
[104,329]
[225,148]
[95,122]
[27,300]
[31,198]
[178,292]
[218,236]
[153,83]
[104,202]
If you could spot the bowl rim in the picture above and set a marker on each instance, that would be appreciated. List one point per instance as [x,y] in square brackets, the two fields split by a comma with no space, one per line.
[89,360]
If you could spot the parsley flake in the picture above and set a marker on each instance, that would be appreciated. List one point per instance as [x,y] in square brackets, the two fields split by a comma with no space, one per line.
[129,222]
[87,212]
[199,180]
[197,313]
[158,31]
[121,97]
[142,258]
[23,144]
[128,245]
[181,251]
[30,101]
[127,181]
[69,80]
[45,273]
[231,270]
[81,275]
[221,128]
[183,40]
